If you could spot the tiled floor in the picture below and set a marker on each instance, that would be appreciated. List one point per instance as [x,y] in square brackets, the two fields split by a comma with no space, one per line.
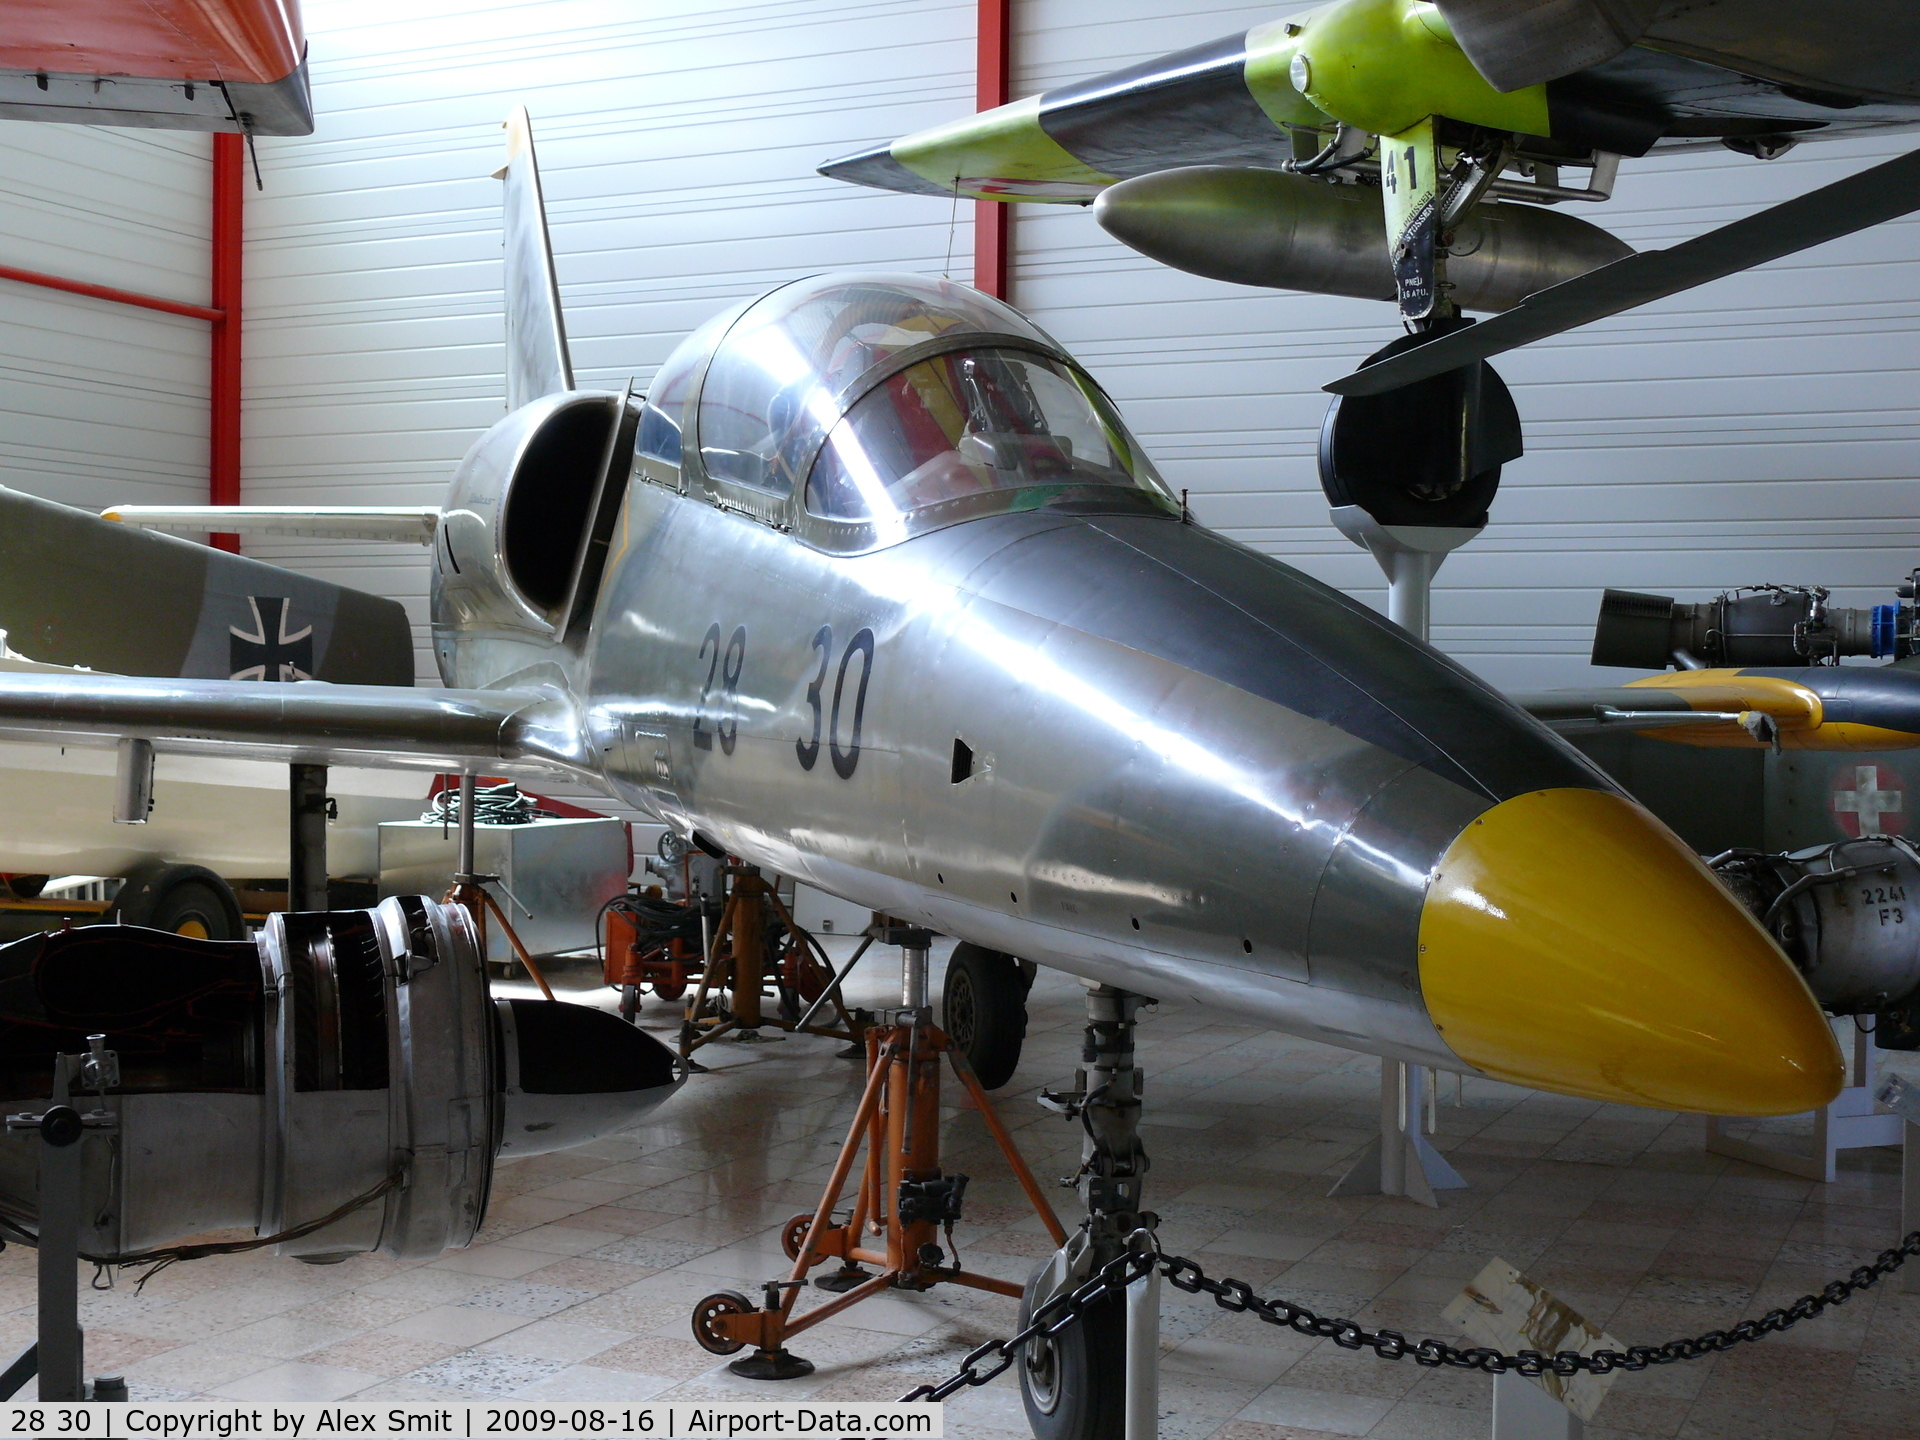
[581,1284]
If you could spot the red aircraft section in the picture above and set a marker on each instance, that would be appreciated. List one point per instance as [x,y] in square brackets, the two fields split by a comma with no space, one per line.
[234,65]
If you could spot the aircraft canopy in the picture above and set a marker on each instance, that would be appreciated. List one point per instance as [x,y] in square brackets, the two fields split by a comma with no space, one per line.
[877,397]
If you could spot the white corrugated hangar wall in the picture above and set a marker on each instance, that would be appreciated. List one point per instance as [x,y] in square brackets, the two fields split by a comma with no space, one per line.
[1759,429]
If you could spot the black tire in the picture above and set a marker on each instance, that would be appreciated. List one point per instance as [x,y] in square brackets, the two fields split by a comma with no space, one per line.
[182,900]
[1074,1385]
[983,1009]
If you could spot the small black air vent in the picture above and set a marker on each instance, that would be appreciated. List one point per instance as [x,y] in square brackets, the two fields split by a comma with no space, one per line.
[962,760]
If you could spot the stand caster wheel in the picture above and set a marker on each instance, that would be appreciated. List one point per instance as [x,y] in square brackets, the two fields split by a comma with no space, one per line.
[795,1235]
[709,1310]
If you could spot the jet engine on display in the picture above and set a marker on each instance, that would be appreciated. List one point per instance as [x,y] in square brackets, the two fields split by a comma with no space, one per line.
[1754,625]
[341,1085]
[1848,916]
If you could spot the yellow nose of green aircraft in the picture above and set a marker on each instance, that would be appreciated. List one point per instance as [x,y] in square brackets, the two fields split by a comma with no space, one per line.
[1570,942]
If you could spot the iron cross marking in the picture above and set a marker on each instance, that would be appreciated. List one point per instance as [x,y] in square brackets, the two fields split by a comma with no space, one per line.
[270,653]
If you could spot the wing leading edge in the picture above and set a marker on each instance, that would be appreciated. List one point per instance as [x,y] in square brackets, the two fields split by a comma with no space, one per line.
[525,730]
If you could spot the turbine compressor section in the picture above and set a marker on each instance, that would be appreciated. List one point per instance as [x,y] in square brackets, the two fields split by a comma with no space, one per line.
[1848,916]
[341,1084]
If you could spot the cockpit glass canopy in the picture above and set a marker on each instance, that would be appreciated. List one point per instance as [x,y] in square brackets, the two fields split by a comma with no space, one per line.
[780,379]
[874,397]
[973,422]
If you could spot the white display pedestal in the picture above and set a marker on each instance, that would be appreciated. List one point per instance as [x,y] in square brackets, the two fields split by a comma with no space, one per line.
[1850,1122]
[1401,1160]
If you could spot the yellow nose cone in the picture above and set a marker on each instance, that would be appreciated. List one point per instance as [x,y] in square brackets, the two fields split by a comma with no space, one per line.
[1570,942]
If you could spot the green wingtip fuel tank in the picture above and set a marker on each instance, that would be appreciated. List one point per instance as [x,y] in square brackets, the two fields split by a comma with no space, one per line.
[1262,227]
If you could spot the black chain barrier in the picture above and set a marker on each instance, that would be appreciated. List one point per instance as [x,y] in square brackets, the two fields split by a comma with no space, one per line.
[1065,1309]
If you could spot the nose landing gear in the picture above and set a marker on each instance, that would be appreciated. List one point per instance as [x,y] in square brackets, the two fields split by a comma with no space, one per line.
[1074,1385]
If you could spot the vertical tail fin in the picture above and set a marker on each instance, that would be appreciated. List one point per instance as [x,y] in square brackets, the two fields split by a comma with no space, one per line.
[537,359]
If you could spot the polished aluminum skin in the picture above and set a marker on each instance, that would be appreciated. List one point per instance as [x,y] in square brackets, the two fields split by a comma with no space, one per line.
[1059,722]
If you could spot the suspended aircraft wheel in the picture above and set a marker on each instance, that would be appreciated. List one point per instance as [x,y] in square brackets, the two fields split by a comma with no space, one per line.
[983,1009]
[794,1235]
[721,1302]
[185,900]
[1074,1384]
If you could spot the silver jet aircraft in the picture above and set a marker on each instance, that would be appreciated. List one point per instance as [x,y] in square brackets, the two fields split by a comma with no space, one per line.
[874,589]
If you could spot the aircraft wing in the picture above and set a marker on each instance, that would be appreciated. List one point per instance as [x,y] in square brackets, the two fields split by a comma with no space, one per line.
[412,524]
[1222,103]
[1822,707]
[1573,72]
[513,731]
[1853,50]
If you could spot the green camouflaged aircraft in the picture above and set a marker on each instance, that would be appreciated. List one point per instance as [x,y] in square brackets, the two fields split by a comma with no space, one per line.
[1286,154]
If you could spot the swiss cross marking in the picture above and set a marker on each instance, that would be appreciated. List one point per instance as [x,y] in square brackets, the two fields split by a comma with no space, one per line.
[1865,797]
[270,652]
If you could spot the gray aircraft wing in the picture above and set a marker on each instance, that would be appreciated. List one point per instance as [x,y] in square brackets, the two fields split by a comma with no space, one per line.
[522,731]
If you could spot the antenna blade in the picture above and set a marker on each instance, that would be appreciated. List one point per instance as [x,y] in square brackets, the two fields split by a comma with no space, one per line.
[537,359]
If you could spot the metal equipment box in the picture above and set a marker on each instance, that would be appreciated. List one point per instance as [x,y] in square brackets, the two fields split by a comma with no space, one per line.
[561,870]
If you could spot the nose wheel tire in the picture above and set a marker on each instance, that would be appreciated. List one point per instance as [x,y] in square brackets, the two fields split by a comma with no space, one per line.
[983,1009]
[1074,1384]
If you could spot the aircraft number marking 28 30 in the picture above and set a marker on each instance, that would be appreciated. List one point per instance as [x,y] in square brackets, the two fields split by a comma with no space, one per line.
[807,751]
[729,672]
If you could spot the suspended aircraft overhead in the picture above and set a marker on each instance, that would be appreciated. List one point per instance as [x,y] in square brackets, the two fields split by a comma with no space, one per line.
[1252,158]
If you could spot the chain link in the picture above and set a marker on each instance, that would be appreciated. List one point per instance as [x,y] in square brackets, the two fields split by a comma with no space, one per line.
[1237,1296]
[1050,1319]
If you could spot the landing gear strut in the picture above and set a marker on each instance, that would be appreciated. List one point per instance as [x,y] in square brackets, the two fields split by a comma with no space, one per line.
[1074,1384]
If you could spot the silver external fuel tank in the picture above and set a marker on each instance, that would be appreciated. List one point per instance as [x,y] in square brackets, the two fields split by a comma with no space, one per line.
[1265,227]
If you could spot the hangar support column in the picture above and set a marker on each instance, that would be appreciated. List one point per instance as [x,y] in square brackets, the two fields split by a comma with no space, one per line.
[993,219]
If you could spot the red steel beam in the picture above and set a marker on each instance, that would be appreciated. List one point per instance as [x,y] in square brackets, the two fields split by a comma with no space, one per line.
[223,427]
[108,292]
[993,219]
